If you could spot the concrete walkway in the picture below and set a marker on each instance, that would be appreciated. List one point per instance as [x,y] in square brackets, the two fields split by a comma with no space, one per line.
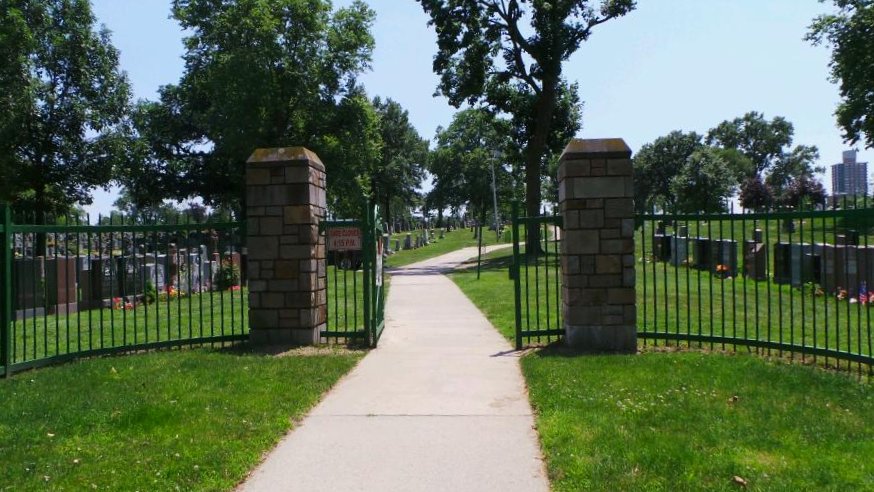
[440,405]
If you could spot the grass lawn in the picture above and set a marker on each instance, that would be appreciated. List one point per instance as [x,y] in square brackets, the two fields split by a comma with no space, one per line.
[667,421]
[200,315]
[454,240]
[693,421]
[688,301]
[173,420]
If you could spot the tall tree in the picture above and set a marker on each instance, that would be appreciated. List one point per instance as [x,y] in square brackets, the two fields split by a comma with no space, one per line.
[792,166]
[767,145]
[63,101]
[850,33]
[401,166]
[704,183]
[262,73]
[508,54]
[760,140]
[466,154]
[657,164]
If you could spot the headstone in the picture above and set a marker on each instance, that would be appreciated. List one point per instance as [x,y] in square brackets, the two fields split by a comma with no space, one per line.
[661,247]
[755,260]
[724,253]
[679,250]
[408,241]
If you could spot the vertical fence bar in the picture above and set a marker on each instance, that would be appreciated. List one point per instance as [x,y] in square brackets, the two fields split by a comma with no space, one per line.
[517,289]
[369,330]
[6,243]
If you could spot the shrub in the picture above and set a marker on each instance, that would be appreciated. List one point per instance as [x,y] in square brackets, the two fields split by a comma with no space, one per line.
[149,293]
[228,275]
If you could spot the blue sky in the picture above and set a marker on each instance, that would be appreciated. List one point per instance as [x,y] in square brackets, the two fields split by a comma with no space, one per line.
[669,65]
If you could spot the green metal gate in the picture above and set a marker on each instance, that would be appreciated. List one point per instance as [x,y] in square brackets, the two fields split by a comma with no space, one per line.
[537,281]
[354,282]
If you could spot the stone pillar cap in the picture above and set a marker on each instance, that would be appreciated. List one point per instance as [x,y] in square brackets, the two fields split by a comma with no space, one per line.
[598,148]
[285,154]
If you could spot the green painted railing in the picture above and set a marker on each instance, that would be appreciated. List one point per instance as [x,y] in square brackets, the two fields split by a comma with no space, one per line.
[537,280]
[71,289]
[795,284]
[355,293]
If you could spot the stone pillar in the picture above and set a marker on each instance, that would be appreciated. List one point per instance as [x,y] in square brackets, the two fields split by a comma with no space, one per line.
[285,202]
[595,193]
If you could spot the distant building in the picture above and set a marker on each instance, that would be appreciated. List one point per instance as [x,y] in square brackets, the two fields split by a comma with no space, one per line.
[849,178]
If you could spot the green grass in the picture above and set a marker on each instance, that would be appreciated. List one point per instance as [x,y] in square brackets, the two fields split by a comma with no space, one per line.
[662,421]
[454,240]
[173,420]
[686,301]
[200,315]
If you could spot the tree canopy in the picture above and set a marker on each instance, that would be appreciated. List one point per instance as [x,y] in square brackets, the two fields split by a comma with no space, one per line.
[768,147]
[466,154]
[850,34]
[508,55]
[63,102]
[402,162]
[260,73]
[657,165]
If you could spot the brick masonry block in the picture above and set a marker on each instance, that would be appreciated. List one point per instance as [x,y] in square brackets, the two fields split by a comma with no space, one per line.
[286,197]
[596,200]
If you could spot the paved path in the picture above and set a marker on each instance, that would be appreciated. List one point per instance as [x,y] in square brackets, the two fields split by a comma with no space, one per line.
[440,405]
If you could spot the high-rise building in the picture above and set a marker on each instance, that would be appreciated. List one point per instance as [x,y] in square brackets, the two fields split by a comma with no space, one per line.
[850,178]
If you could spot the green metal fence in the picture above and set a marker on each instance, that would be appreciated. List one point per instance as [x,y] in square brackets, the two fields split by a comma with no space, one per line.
[799,284]
[72,289]
[537,280]
[355,294]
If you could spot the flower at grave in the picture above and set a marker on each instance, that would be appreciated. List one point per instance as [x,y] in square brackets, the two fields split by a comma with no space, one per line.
[234,287]
[863,293]
[842,294]
[723,271]
[128,305]
[117,303]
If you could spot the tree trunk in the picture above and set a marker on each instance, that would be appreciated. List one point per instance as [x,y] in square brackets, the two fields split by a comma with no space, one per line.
[533,162]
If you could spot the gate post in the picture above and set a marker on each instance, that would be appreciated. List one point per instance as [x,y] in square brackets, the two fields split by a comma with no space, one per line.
[595,189]
[285,202]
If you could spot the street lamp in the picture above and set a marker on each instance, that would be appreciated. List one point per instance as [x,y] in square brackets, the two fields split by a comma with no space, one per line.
[496,156]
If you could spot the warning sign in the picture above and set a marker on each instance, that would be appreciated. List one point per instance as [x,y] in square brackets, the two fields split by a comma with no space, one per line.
[344,239]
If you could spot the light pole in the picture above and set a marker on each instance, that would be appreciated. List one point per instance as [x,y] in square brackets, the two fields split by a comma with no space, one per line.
[496,155]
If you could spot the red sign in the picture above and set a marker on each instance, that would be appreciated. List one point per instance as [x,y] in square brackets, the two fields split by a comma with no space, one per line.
[344,239]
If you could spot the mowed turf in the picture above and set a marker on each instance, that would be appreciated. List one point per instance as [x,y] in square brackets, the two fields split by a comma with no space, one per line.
[173,420]
[674,420]
[452,240]
[695,421]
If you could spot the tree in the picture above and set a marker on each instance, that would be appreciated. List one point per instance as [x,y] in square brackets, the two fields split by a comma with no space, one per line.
[466,154]
[766,143]
[755,194]
[261,73]
[401,166]
[849,33]
[508,55]
[703,184]
[792,166]
[656,166]
[759,140]
[63,101]
[804,190]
